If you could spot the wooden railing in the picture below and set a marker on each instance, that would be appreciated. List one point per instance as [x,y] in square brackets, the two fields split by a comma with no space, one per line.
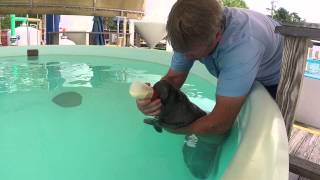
[296,42]
[297,39]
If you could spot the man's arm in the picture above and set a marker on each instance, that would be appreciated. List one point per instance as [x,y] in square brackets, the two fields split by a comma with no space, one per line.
[176,78]
[219,121]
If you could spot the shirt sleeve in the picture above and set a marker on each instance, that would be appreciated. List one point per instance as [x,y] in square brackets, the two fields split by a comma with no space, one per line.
[240,68]
[179,63]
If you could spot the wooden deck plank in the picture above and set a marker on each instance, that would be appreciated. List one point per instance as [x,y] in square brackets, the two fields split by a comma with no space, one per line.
[304,168]
[304,145]
[293,176]
[296,141]
[303,178]
[294,132]
[315,154]
[307,146]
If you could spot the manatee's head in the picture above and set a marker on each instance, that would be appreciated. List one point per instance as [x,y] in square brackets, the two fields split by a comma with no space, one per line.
[164,90]
[176,110]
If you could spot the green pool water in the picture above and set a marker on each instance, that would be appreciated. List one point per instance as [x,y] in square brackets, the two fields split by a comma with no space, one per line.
[102,138]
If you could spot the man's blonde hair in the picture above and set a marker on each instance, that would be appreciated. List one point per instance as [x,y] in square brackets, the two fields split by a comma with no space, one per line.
[192,22]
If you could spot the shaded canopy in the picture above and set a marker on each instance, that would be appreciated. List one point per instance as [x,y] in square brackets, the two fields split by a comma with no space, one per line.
[129,8]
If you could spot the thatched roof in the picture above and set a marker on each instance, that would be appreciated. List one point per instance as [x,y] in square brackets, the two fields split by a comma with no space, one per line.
[129,8]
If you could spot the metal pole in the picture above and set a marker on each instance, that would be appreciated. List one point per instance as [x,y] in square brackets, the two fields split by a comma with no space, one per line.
[118,24]
[13,25]
[44,30]
[273,8]
[13,37]
[28,34]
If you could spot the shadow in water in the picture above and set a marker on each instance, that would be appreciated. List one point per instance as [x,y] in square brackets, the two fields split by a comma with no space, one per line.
[68,99]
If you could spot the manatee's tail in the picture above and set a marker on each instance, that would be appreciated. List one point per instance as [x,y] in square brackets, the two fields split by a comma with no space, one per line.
[201,155]
[154,123]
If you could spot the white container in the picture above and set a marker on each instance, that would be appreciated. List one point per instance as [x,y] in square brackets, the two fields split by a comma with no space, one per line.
[151,32]
[65,41]
[26,36]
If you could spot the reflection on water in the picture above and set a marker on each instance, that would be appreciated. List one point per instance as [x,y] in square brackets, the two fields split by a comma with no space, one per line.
[53,75]
[22,77]
[76,75]
[26,76]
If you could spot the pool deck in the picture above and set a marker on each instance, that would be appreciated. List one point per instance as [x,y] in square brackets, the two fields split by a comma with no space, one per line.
[304,143]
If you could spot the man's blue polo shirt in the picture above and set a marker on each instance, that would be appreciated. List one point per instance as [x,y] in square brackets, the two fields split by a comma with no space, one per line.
[249,50]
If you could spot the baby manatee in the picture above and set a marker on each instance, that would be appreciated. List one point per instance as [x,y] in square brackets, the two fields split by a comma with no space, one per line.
[176,111]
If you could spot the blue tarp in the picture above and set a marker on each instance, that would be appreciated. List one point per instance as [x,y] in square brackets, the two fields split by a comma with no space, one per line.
[52,25]
[98,27]
[312,69]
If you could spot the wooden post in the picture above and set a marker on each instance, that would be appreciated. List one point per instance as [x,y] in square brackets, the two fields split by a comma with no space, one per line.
[124,31]
[131,32]
[292,72]
[137,39]
[294,58]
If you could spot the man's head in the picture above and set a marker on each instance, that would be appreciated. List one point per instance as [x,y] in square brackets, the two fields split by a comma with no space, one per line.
[194,27]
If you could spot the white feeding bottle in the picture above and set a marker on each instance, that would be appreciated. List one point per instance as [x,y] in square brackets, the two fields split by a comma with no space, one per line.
[140,90]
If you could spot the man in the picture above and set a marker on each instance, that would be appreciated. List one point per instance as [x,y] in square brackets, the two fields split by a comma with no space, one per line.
[237,46]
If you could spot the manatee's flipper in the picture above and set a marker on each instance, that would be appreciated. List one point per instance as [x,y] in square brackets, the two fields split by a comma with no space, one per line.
[157,128]
[154,123]
[68,99]
[150,121]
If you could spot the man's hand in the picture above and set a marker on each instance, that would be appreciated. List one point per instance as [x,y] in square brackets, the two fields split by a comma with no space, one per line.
[152,108]
[148,107]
